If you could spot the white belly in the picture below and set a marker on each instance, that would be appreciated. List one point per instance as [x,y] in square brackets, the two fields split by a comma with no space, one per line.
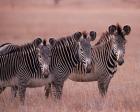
[38,82]
[31,82]
[12,82]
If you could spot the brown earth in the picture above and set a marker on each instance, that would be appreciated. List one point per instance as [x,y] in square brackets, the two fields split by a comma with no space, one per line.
[22,23]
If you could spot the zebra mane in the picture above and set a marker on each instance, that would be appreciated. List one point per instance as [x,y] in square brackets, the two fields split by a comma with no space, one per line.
[1,45]
[65,40]
[119,30]
[107,35]
[18,48]
[104,37]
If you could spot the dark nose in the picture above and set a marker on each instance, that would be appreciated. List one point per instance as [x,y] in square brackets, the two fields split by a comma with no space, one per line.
[88,69]
[120,62]
[46,74]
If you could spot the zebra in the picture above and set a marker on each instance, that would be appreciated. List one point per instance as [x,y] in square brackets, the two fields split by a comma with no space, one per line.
[107,54]
[66,54]
[44,58]
[22,67]
[86,47]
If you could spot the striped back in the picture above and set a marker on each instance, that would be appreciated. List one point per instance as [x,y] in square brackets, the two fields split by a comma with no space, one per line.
[65,53]
[7,47]
[21,59]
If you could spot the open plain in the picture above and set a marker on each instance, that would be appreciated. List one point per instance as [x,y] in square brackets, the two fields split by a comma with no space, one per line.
[22,22]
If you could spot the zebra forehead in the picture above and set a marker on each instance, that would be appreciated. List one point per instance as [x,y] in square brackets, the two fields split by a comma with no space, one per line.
[119,30]
[84,33]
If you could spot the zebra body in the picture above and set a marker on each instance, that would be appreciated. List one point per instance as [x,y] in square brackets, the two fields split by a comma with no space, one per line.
[66,55]
[107,54]
[44,58]
[21,67]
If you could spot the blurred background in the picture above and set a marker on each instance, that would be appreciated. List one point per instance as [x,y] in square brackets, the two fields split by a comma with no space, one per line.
[21,21]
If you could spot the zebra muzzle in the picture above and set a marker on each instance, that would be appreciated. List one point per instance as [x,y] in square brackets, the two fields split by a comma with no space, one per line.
[120,61]
[88,68]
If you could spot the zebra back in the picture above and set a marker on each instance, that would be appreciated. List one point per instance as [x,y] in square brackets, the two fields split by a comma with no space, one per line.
[7,47]
[18,59]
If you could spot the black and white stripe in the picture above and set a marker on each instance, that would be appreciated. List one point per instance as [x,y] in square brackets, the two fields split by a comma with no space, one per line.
[19,66]
[44,53]
[85,54]
[107,53]
[67,53]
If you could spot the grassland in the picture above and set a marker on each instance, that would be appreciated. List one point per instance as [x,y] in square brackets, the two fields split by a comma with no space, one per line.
[23,24]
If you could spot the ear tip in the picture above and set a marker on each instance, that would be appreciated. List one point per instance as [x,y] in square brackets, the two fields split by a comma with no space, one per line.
[77,35]
[127,26]
[112,28]
[127,29]
[37,41]
[93,35]
[52,41]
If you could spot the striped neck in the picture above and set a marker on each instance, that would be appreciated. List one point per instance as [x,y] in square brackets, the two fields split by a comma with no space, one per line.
[110,59]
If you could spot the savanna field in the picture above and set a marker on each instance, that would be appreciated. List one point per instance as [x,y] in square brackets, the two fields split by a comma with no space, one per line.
[21,22]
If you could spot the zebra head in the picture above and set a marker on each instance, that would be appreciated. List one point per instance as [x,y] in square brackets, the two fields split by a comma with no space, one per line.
[83,40]
[82,47]
[84,52]
[119,40]
[44,51]
[85,48]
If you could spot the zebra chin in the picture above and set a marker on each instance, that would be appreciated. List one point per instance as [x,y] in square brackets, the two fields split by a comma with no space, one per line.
[120,61]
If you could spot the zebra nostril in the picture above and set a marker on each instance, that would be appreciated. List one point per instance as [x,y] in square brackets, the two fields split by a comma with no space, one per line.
[46,75]
[88,69]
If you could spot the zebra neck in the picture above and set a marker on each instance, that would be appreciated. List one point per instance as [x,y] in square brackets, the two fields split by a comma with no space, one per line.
[30,55]
[112,63]
[44,64]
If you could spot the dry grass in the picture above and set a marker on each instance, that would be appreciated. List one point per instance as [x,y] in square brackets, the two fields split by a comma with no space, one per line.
[18,25]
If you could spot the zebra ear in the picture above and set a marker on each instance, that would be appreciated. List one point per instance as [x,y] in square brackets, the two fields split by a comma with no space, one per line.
[37,41]
[77,36]
[112,29]
[52,41]
[92,35]
[44,42]
[126,29]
